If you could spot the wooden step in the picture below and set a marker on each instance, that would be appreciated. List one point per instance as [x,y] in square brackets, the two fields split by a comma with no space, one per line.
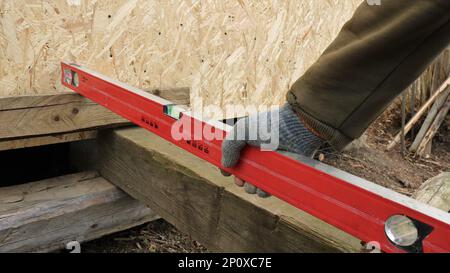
[46,215]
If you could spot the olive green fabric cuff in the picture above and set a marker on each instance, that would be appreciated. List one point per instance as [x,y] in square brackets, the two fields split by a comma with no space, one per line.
[334,137]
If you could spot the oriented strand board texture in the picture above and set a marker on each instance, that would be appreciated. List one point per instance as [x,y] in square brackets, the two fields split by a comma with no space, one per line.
[234,51]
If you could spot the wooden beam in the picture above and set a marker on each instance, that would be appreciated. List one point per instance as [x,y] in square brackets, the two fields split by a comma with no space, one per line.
[44,216]
[35,120]
[12,144]
[436,192]
[198,200]
[27,116]
[180,96]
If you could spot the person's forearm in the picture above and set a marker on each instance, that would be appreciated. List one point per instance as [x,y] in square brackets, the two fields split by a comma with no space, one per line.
[378,54]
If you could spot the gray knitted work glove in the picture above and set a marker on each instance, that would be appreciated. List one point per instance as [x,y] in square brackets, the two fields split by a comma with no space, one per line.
[277,130]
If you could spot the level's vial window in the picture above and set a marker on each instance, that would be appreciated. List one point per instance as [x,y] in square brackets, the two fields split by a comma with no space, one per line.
[173,111]
[68,76]
[71,77]
[75,81]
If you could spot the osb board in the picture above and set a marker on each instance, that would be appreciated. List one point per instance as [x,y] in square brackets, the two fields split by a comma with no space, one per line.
[236,51]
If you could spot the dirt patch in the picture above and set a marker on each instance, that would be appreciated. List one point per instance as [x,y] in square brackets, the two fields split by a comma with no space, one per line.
[369,158]
[155,237]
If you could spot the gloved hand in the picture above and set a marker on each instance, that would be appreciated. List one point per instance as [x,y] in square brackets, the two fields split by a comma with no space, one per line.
[280,129]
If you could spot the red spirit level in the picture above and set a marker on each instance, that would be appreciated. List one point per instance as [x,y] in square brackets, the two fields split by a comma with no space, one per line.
[363,209]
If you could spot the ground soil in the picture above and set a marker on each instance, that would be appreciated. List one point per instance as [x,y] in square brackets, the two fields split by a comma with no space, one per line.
[155,237]
[368,158]
[402,172]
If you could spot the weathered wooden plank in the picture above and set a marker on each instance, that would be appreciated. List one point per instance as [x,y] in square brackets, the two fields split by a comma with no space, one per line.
[39,100]
[179,96]
[27,116]
[12,144]
[45,215]
[192,195]
[62,113]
